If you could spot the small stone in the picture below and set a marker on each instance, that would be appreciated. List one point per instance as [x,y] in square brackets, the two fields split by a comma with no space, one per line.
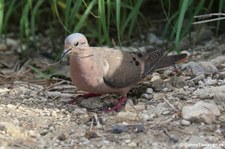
[166,113]
[138,128]
[132,144]
[175,123]
[84,117]
[2,127]
[44,132]
[84,141]
[4,90]
[168,72]
[158,96]
[165,89]
[127,141]
[210,82]
[222,118]
[181,94]
[127,115]
[130,107]
[146,96]
[190,83]
[177,82]
[169,87]
[222,75]
[106,141]
[221,82]
[152,38]
[33,134]
[185,122]
[91,134]
[147,117]
[91,103]
[198,78]
[79,111]
[11,42]
[10,106]
[158,84]
[149,90]
[54,113]
[119,129]
[51,128]
[3,47]
[155,77]
[62,137]
[222,143]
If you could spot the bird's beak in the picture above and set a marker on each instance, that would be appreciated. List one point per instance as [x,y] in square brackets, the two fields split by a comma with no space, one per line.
[66,52]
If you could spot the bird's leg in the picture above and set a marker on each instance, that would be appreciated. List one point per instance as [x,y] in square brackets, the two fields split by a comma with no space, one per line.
[119,106]
[85,96]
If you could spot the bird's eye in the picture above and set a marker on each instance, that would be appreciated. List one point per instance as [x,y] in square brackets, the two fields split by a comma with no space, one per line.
[76,44]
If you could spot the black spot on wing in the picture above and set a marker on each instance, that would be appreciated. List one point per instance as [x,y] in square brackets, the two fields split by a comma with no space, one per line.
[140,55]
[137,63]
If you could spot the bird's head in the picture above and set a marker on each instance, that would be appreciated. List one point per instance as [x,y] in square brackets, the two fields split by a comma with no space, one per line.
[74,44]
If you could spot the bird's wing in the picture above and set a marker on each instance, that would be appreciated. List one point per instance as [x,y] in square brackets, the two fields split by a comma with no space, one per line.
[127,68]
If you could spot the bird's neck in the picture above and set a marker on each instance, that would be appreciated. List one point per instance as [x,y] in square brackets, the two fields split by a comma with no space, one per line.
[81,62]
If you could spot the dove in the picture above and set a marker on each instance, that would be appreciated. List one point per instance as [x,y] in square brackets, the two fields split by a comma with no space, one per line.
[103,70]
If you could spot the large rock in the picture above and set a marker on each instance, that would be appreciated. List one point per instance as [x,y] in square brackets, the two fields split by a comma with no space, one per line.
[198,68]
[195,142]
[201,112]
[219,91]
[218,60]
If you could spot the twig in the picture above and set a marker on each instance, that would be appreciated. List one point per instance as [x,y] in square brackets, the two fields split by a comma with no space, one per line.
[92,123]
[210,20]
[97,121]
[137,112]
[169,104]
[57,83]
[171,138]
[208,16]
[52,64]
[31,81]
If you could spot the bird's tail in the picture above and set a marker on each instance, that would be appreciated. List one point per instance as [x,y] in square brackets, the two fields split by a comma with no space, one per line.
[171,60]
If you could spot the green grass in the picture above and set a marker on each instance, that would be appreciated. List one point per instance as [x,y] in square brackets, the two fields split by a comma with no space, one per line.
[102,20]
[97,18]
[179,20]
[1,14]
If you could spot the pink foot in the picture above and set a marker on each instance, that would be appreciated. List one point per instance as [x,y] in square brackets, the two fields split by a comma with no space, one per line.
[85,96]
[119,106]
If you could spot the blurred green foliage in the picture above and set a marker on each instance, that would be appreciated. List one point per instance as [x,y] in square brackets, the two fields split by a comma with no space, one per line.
[102,19]
[97,18]
[180,15]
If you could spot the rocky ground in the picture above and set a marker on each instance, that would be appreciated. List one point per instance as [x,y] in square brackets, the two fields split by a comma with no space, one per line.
[177,107]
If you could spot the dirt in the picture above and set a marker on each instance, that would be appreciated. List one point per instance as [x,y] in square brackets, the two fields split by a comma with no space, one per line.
[35,113]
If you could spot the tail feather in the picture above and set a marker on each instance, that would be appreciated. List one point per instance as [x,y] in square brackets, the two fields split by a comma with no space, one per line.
[167,61]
